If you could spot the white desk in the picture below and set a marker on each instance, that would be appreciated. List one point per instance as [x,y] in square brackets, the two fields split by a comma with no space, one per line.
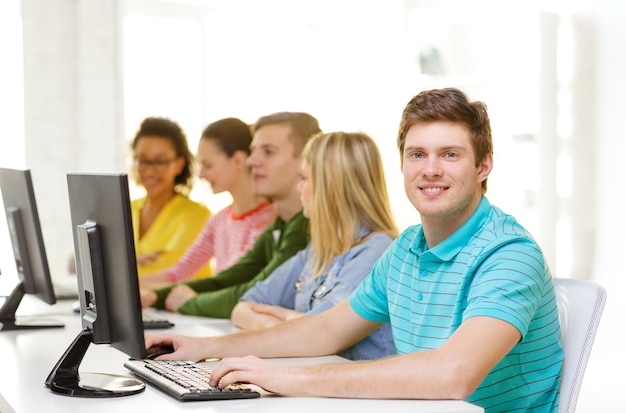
[29,355]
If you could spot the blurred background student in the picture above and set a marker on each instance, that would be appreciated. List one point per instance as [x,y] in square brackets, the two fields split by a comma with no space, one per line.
[275,161]
[344,195]
[229,234]
[165,220]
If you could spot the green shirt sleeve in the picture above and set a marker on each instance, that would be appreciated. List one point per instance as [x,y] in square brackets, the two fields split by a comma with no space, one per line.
[249,265]
[219,294]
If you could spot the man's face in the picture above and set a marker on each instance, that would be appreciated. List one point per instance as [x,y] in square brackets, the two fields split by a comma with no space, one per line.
[440,176]
[275,168]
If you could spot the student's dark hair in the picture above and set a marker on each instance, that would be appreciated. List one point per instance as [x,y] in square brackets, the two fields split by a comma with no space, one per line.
[230,134]
[303,127]
[167,129]
[449,105]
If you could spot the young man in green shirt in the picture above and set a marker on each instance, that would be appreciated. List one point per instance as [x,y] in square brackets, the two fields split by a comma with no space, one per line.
[275,161]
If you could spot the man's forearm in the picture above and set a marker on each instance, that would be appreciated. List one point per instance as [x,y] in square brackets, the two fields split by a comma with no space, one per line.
[288,339]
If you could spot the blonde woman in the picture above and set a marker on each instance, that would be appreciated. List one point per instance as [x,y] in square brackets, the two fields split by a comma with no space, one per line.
[343,193]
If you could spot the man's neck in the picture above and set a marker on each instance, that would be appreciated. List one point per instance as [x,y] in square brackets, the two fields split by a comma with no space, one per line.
[438,229]
[287,208]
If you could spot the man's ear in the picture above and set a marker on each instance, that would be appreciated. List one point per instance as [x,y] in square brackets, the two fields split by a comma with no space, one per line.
[485,167]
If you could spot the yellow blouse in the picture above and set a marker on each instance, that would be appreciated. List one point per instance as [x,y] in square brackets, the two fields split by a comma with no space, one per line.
[173,231]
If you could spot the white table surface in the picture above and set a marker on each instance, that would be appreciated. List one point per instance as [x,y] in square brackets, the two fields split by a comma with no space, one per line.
[29,355]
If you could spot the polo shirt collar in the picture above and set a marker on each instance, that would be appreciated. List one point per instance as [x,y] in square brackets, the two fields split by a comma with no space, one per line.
[449,248]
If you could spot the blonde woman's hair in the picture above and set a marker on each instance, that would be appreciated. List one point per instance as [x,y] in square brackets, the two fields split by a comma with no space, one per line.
[348,192]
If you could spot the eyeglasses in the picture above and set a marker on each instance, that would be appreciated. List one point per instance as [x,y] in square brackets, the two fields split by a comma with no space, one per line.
[158,164]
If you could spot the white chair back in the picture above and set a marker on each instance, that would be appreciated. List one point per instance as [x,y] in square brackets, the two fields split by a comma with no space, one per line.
[580,304]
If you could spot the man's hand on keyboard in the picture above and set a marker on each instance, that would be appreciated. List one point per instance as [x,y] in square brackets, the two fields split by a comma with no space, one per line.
[185,348]
[270,376]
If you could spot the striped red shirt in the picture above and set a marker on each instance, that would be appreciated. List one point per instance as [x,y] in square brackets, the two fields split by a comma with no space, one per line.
[226,237]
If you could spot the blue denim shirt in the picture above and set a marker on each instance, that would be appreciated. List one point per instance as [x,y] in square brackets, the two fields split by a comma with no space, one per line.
[292,286]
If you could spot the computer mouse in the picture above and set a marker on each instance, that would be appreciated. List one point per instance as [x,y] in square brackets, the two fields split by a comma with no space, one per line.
[158,350]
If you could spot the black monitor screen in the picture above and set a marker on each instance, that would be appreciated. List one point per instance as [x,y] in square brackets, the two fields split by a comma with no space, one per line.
[28,249]
[108,288]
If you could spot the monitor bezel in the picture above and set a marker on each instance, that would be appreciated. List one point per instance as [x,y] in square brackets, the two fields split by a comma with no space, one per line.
[29,252]
[108,287]
[104,201]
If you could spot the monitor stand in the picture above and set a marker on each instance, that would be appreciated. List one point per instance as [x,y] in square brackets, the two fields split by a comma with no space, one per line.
[8,321]
[64,378]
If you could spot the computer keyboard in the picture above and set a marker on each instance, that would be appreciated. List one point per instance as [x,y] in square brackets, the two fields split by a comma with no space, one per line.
[154,321]
[186,380]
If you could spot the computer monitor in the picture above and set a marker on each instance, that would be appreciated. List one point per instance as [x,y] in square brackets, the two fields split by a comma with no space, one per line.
[108,288]
[33,273]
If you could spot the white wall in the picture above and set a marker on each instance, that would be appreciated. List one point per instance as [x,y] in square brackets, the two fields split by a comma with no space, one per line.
[72,105]
[609,138]
[603,388]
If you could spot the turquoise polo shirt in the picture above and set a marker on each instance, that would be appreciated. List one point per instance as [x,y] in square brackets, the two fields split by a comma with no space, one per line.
[491,267]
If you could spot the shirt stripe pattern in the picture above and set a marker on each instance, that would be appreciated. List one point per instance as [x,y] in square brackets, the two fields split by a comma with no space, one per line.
[491,267]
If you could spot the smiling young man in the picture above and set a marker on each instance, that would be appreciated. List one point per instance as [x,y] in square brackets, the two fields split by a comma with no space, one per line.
[468,292]
[275,158]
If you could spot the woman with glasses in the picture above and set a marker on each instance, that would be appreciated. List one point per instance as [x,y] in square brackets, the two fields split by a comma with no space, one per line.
[229,234]
[344,195]
[165,220]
